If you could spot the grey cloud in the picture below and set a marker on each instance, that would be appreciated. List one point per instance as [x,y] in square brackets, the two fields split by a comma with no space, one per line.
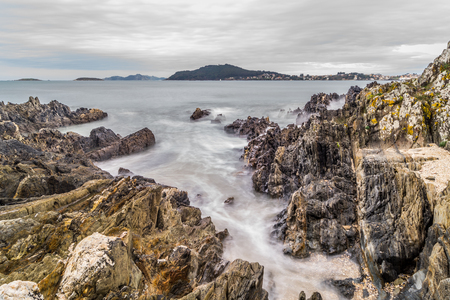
[160,38]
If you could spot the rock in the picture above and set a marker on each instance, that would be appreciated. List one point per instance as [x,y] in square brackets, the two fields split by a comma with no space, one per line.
[133,143]
[230,200]
[98,265]
[20,290]
[252,127]
[393,210]
[124,172]
[32,115]
[345,287]
[242,280]
[9,130]
[26,172]
[314,296]
[102,137]
[199,113]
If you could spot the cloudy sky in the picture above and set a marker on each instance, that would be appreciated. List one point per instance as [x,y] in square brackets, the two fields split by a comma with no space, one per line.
[66,39]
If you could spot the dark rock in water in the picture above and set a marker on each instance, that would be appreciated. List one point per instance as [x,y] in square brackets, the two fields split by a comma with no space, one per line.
[251,127]
[221,235]
[314,296]
[123,171]
[199,113]
[230,200]
[32,115]
[133,143]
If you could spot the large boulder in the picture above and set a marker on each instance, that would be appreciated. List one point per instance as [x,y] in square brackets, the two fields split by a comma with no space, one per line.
[98,265]
[20,290]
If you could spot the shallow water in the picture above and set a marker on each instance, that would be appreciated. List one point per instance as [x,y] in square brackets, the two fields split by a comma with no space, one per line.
[200,158]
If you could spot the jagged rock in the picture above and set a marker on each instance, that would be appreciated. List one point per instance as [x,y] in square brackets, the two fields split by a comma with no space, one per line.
[242,280]
[316,105]
[97,266]
[20,290]
[346,287]
[27,172]
[199,113]
[314,296]
[101,144]
[252,127]
[9,130]
[123,171]
[173,247]
[32,115]
[394,213]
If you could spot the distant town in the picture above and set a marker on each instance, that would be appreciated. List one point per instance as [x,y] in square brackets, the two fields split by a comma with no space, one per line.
[338,76]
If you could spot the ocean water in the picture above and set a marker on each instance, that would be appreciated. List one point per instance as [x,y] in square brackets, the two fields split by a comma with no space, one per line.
[200,158]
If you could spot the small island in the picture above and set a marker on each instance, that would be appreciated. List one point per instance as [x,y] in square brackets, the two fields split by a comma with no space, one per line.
[88,79]
[135,77]
[28,79]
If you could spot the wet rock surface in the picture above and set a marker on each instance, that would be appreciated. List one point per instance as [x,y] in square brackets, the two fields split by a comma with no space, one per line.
[71,231]
[200,113]
[365,176]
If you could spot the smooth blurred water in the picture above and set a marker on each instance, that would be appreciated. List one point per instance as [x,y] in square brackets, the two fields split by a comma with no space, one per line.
[200,158]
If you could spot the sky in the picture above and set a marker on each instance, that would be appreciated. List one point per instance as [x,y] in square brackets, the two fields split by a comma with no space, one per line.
[65,39]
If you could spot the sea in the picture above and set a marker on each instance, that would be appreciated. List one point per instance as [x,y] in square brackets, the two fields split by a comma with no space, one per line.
[200,158]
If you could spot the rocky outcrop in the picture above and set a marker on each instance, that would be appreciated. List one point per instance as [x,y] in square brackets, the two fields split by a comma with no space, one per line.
[199,113]
[367,174]
[393,211]
[26,172]
[133,143]
[32,115]
[251,128]
[102,143]
[168,250]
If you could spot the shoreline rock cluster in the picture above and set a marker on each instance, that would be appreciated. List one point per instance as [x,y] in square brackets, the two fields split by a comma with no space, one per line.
[70,230]
[355,179]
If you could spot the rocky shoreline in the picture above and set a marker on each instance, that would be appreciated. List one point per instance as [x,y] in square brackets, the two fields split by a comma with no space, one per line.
[70,230]
[370,180]
[361,180]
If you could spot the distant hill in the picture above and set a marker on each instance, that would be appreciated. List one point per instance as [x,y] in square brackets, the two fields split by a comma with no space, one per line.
[135,77]
[88,79]
[220,72]
[28,79]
